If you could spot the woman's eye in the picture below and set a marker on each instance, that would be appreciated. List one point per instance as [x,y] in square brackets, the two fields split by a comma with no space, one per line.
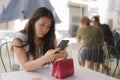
[42,25]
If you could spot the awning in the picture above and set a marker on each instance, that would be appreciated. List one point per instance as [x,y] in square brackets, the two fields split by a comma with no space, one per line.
[19,9]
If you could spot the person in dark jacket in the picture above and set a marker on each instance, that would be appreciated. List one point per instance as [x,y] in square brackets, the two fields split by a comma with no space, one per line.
[108,36]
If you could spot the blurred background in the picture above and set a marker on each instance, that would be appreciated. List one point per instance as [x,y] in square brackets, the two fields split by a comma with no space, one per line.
[67,11]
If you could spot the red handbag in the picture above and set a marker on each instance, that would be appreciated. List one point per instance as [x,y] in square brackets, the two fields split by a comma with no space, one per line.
[63,68]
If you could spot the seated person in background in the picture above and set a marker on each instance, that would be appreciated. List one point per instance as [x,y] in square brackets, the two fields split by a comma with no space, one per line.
[35,45]
[90,35]
[108,36]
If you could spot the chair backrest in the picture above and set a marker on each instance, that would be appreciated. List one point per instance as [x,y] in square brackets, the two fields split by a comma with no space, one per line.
[6,56]
[73,50]
[102,55]
[110,60]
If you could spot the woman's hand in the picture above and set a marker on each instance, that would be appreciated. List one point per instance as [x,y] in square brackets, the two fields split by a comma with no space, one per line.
[50,55]
[61,54]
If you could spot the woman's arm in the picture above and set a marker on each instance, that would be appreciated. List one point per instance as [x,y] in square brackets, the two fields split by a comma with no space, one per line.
[78,39]
[32,65]
[78,35]
[23,58]
[62,54]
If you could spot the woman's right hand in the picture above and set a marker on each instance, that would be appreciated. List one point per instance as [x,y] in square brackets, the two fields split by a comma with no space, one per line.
[50,55]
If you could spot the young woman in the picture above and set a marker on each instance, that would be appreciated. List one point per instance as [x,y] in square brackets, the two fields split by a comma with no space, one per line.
[35,45]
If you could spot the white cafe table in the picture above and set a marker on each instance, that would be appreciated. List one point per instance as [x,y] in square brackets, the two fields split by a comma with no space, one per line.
[81,73]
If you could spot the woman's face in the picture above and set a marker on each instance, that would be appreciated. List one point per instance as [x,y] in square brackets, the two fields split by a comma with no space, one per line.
[42,27]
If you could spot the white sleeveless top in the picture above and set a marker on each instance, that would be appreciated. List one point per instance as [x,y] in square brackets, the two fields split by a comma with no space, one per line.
[24,38]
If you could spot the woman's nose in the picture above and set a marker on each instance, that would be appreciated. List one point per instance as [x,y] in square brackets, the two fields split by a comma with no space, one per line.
[44,30]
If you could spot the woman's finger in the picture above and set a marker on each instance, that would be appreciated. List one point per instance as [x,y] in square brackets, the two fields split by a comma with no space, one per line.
[62,51]
[59,55]
[56,50]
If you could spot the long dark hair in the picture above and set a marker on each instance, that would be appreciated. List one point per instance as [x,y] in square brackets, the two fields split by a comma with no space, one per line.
[47,42]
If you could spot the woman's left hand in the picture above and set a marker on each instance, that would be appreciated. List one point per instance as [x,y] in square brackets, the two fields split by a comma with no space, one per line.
[61,54]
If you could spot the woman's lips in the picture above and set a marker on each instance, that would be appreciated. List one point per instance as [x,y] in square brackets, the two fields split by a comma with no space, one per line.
[42,34]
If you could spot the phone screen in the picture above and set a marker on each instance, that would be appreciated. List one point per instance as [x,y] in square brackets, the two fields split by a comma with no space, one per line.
[63,44]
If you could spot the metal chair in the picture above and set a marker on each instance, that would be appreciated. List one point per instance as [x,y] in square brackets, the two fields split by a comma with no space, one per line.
[110,63]
[6,55]
[112,59]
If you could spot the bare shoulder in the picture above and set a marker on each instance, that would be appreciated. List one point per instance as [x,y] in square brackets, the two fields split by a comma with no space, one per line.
[19,38]
[17,42]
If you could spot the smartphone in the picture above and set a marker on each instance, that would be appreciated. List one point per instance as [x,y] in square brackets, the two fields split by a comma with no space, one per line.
[63,44]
